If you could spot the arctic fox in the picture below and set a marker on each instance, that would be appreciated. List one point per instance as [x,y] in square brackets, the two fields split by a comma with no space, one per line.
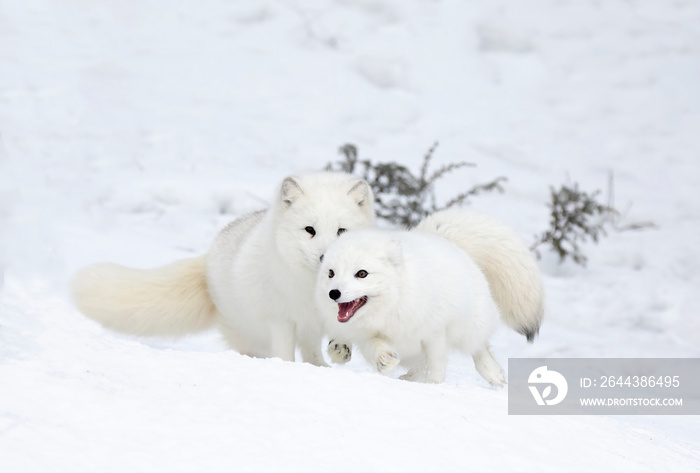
[409,297]
[257,281]
[511,271]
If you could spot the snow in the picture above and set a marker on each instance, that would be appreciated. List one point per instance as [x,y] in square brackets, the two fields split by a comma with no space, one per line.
[132,131]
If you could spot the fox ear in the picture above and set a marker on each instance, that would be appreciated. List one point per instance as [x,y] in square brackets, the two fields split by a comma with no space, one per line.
[395,252]
[290,191]
[361,193]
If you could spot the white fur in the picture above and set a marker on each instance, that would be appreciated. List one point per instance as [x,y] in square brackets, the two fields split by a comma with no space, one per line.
[263,284]
[171,300]
[510,269]
[425,296]
[257,281]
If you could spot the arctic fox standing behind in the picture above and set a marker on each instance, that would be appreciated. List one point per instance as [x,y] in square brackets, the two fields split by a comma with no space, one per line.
[263,283]
[409,297]
[257,282]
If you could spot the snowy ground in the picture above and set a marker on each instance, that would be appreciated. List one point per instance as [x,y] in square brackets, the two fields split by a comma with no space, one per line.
[132,131]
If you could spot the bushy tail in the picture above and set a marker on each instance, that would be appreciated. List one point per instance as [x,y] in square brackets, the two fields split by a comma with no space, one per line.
[171,300]
[510,269]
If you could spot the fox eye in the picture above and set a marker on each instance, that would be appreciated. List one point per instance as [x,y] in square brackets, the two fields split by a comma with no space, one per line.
[341,231]
[310,231]
[331,273]
[361,274]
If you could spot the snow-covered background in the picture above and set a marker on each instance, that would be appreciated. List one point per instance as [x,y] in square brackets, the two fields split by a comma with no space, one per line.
[132,130]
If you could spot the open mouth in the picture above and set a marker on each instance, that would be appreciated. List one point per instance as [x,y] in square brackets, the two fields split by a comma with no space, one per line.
[347,309]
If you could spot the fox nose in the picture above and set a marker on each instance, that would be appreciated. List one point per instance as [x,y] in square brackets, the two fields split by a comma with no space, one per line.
[321,258]
[334,294]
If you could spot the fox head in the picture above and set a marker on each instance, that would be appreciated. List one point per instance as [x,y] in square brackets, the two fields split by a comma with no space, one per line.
[359,275]
[313,210]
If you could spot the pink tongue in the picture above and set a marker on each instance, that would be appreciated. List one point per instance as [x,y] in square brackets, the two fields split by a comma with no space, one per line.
[345,311]
[348,309]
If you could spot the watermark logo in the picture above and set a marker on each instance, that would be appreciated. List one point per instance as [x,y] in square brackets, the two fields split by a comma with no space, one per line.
[543,376]
[604,386]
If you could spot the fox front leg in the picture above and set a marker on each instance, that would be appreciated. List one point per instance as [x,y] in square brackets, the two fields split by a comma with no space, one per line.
[384,356]
[311,353]
[283,341]
[435,350]
[309,339]
[339,350]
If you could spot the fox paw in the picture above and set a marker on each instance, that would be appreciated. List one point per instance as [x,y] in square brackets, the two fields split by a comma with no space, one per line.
[387,362]
[495,377]
[339,352]
[499,381]
[409,377]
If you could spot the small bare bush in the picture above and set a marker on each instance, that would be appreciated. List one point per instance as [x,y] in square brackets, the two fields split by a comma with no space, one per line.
[402,197]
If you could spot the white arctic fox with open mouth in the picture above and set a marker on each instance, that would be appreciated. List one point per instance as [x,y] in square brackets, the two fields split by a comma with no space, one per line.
[408,297]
